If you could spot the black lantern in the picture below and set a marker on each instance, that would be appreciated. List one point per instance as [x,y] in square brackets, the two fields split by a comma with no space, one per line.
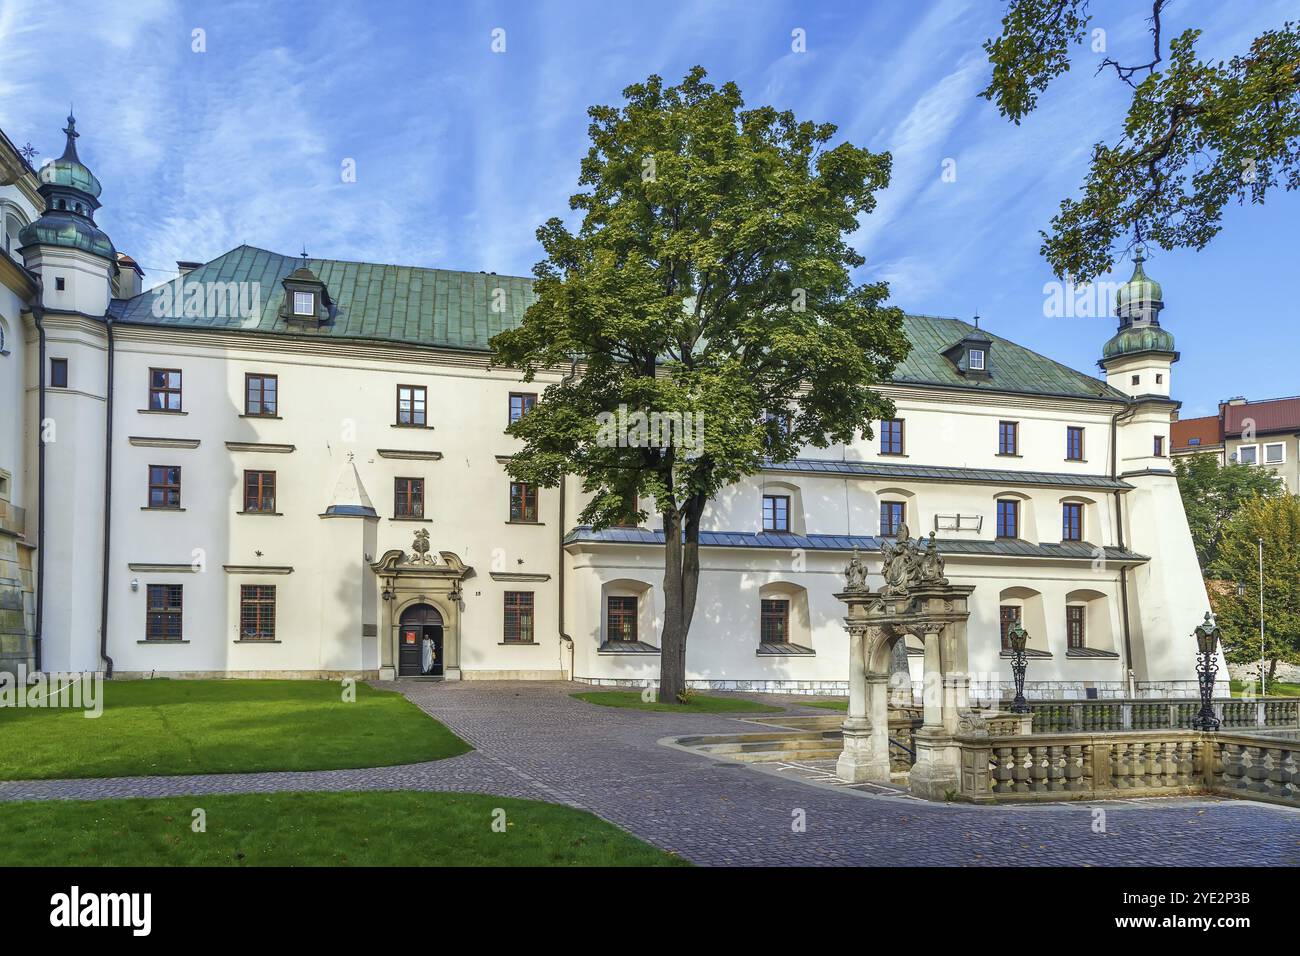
[1018,638]
[1207,666]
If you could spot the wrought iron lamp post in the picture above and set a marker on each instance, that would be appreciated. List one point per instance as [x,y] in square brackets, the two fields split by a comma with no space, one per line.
[1207,646]
[1018,637]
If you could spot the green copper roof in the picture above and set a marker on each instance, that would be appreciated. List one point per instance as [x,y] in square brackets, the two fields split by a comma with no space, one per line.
[1138,338]
[72,232]
[463,310]
[1140,291]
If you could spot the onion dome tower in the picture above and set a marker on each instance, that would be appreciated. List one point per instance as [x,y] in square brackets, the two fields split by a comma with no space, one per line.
[1138,356]
[71,194]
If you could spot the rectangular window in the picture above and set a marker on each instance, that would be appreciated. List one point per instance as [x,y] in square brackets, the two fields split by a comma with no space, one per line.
[1074,443]
[776,512]
[1160,446]
[1008,438]
[260,394]
[1071,521]
[408,498]
[521,403]
[620,618]
[411,402]
[257,612]
[259,491]
[165,389]
[1274,453]
[630,509]
[58,373]
[977,360]
[891,517]
[163,612]
[304,303]
[164,486]
[1248,454]
[1008,614]
[891,436]
[523,501]
[1008,518]
[1074,626]
[774,627]
[519,617]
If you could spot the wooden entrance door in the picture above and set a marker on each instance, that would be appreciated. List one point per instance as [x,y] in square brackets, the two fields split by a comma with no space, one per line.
[419,642]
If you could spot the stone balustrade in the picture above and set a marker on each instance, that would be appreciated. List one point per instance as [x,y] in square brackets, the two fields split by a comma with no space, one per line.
[1087,766]
[1102,716]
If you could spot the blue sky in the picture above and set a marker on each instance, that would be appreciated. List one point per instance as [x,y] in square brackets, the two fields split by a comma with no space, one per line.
[462,152]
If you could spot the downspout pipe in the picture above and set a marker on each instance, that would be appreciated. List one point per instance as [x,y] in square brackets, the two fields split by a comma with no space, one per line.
[38,316]
[1119,540]
[108,504]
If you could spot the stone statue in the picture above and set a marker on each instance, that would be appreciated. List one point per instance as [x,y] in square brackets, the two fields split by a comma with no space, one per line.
[932,564]
[908,565]
[855,574]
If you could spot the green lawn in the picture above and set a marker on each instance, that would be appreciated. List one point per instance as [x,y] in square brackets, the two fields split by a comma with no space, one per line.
[700,703]
[825,704]
[1276,689]
[221,726]
[400,828]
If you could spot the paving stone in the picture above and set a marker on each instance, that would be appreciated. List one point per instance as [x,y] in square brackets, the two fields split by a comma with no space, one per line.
[533,740]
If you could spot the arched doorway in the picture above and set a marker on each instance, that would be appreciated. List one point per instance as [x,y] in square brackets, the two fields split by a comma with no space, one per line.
[419,642]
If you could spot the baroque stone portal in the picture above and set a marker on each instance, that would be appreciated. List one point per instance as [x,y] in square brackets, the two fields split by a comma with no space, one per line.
[916,599]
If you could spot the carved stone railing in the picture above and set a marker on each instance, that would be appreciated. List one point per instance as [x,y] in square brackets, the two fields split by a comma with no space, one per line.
[1256,767]
[1104,716]
[1128,764]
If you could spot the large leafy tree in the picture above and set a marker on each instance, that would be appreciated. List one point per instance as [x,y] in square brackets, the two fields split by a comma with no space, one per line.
[1198,134]
[1276,520]
[710,274]
[1212,493]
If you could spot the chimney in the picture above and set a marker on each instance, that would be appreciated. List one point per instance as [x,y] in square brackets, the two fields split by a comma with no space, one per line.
[130,277]
[185,268]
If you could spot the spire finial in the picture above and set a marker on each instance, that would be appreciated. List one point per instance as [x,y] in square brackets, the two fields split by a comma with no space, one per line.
[977,320]
[70,150]
[304,254]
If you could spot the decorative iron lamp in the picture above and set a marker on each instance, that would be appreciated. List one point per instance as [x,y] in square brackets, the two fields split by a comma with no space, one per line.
[1018,638]
[1207,667]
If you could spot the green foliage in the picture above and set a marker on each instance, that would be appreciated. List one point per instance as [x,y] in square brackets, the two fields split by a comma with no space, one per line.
[1277,521]
[1212,493]
[163,727]
[396,828]
[1198,134]
[706,227]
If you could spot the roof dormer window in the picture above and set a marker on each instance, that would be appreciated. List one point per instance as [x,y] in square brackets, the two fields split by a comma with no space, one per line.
[304,303]
[976,360]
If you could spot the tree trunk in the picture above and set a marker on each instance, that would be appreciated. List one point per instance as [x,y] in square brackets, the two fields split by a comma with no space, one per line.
[681,584]
[672,644]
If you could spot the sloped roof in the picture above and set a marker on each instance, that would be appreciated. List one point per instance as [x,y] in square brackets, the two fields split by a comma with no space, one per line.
[1269,415]
[463,310]
[1204,430]
[868,544]
[996,476]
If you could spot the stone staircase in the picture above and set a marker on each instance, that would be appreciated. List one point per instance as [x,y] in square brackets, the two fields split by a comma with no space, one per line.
[774,746]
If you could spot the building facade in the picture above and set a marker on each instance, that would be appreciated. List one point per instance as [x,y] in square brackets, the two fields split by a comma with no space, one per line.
[284,466]
[1264,433]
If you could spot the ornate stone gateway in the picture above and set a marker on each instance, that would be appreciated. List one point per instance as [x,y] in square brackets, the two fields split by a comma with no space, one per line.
[916,599]
[428,587]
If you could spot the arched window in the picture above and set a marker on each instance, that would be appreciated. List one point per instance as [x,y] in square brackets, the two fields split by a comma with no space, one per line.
[783,623]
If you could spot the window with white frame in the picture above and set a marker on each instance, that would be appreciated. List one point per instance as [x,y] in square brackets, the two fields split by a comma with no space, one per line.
[304,303]
[1274,453]
[977,360]
[1248,455]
